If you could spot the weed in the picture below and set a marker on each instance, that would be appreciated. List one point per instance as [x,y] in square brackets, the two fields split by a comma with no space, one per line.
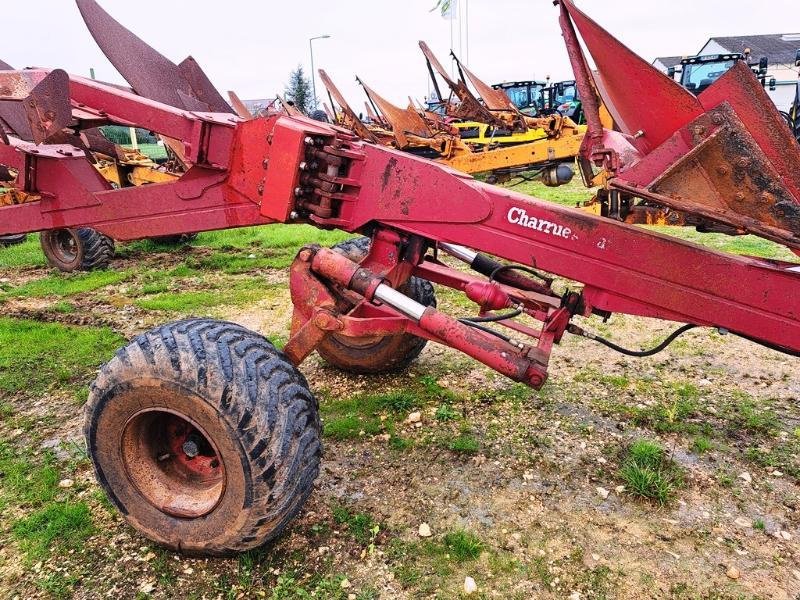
[648,473]
[701,444]
[360,526]
[759,525]
[25,482]
[464,443]
[462,545]
[445,412]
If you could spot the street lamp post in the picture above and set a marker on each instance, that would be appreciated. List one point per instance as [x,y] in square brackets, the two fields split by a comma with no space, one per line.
[314,73]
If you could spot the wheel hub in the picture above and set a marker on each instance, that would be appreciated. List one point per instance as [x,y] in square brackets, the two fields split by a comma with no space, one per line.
[173,463]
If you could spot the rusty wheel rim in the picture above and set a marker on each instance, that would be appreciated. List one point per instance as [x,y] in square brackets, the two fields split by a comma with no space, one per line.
[65,245]
[173,463]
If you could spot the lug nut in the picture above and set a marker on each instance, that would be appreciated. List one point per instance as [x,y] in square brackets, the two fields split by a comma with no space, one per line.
[190,448]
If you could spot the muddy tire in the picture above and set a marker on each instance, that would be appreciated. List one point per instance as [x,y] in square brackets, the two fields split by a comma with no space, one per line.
[12,240]
[204,436]
[83,249]
[374,355]
[175,240]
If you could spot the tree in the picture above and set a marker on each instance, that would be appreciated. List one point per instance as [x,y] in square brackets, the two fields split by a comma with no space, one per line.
[298,91]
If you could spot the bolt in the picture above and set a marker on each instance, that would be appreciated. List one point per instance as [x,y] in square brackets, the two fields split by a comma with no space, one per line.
[190,448]
[260,189]
[293,215]
[298,191]
[717,119]
[766,197]
[638,134]
[265,163]
[743,162]
[308,141]
[305,255]
[303,166]
[722,170]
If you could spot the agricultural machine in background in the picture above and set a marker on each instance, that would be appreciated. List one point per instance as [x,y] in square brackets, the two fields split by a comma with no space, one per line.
[469,146]
[207,438]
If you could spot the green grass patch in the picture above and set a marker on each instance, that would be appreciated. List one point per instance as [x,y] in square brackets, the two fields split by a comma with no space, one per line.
[197,300]
[35,357]
[649,473]
[361,414]
[24,482]
[463,545]
[464,443]
[56,527]
[701,444]
[270,236]
[27,254]
[67,284]
[361,526]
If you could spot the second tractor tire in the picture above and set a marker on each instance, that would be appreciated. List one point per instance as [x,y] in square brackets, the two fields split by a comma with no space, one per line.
[82,249]
[376,354]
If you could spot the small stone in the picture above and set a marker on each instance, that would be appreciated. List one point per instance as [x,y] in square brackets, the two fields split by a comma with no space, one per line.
[784,535]
[746,477]
[796,574]
[188,571]
[384,437]
[602,492]
[147,587]
[733,573]
[149,556]
[425,530]
[527,476]
[470,587]
[345,584]
[414,417]
[619,489]
[575,596]
[66,483]
[351,597]
[595,557]
[742,522]
[777,473]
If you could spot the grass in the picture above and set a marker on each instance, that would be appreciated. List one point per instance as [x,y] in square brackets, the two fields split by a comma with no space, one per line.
[462,545]
[701,444]
[57,527]
[360,526]
[27,254]
[35,357]
[361,414]
[199,300]
[648,473]
[67,284]
[24,482]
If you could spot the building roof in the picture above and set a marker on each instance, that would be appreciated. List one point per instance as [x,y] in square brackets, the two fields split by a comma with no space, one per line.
[779,48]
[669,61]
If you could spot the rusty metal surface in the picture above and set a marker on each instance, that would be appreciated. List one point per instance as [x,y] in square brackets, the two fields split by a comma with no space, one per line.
[401,120]
[469,107]
[43,112]
[239,106]
[351,120]
[150,73]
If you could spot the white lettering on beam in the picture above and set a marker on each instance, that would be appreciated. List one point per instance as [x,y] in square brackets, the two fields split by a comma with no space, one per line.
[518,216]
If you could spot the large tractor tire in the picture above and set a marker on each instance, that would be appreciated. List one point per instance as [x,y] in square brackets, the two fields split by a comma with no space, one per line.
[376,354]
[83,249]
[204,436]
[12,240]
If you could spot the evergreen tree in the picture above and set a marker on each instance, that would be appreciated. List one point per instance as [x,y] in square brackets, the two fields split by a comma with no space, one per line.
[298,91]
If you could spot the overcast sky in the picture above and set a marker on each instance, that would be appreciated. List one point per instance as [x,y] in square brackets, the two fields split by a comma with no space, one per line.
[251,46]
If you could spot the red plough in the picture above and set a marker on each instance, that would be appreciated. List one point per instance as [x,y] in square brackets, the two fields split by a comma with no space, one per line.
[213,394]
